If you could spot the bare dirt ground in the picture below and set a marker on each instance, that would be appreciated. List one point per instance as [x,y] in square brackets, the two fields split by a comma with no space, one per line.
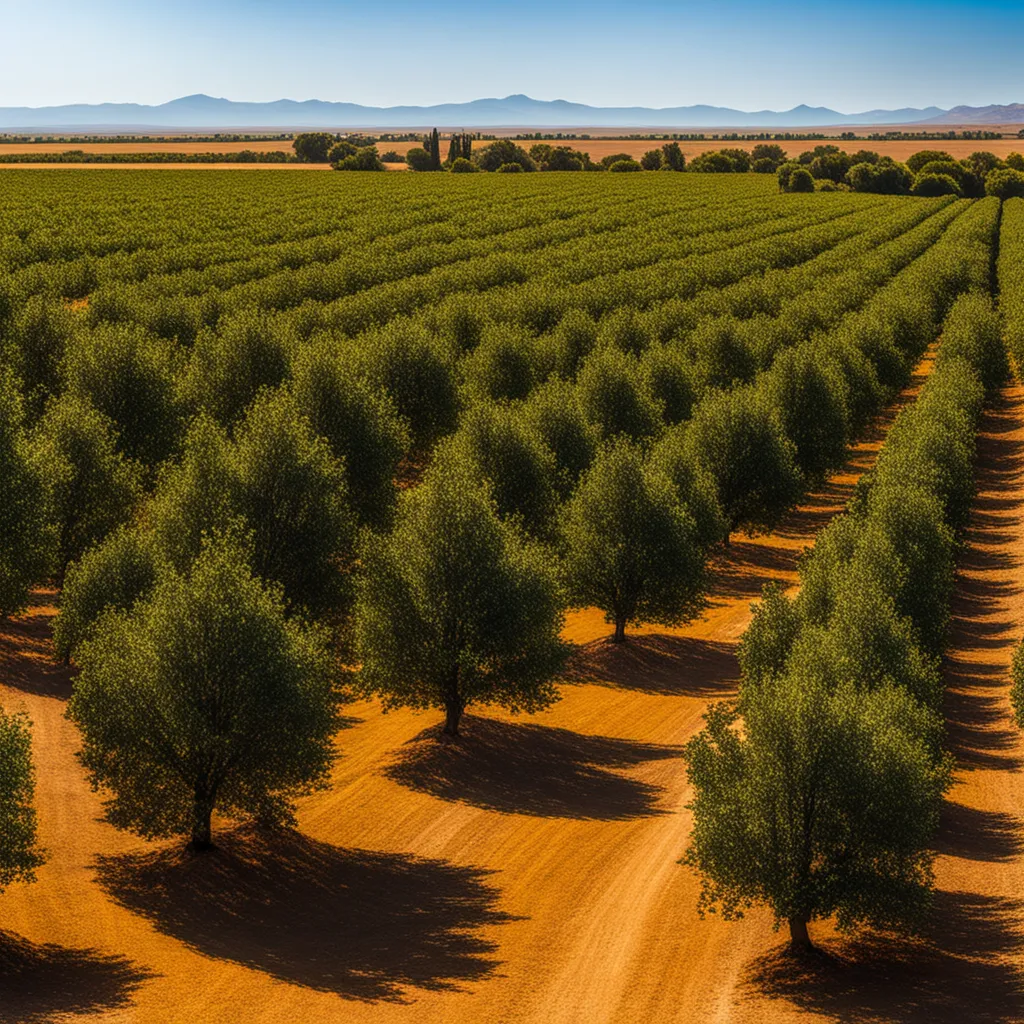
[529,873]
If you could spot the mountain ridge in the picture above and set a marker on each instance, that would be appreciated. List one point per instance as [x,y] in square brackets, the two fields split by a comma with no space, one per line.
[517,110]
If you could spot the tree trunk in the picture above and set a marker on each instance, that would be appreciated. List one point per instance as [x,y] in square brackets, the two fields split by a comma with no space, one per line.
[799,939]
[454,705]
[620,629]
[202,812]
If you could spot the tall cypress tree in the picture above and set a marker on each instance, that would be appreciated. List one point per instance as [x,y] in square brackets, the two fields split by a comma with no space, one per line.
[454,149]
[435,150]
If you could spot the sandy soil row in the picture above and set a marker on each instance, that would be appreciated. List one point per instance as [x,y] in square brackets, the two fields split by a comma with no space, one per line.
[528,875]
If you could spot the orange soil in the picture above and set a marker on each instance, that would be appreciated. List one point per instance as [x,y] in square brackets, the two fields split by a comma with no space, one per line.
[529,873]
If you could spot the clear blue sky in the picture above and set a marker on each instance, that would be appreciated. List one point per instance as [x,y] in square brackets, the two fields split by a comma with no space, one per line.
[850,56]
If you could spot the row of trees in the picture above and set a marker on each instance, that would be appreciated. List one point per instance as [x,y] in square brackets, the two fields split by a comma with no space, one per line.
[257,464]
[839,760]
[506,156]
[926,173]
[1011,279]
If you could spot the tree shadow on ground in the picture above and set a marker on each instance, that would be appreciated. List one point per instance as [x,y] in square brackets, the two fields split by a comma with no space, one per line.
[959,971]
[978,834]
[42,982]
[358,923]
[658,663]
[26,651]
[531,769]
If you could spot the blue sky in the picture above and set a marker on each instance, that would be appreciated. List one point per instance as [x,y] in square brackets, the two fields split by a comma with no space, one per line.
[851,57]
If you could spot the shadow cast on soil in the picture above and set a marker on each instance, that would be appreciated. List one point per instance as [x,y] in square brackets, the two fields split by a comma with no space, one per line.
[958,972]
[42,982]
[531,769]
[657,663]
[364,925]
[26,651]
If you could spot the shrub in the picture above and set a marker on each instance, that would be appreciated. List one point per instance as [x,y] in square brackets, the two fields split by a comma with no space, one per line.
[510,169]
[460,165]
[799,180]
[419,159]
[1005,184]
[500,153]
[712,162]
[389,156]
[312,147]
[651,160]
[625,165]
[227,368]
[614,158]
[363,159]
[927,156]
[934,185]
[502,366]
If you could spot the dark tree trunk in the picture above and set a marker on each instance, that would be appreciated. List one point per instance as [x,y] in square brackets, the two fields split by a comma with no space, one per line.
[202,812]
[453,709]
[620,629]
[799,939]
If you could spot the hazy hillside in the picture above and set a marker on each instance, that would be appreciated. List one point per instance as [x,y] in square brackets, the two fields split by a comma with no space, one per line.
[202,111]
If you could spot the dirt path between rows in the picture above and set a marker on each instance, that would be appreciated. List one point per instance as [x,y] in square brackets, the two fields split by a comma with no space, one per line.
[528,875]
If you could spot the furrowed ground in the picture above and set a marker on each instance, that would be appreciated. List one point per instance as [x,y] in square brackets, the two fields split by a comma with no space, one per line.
[529,872]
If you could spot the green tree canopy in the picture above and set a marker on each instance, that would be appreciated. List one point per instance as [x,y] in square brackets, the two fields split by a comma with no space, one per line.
[630,546]
[91,488]
[497,445]
[129,375]
[205,697]
[25,542]
[809,402]
[454,608]
[19,854]
[500,154]
[825,804]
[613,397]
[553,413]
[114,574]
[313,147]
[737,440]
[279,478]
[417,371]
[358,421]
[227,368]
[503,364]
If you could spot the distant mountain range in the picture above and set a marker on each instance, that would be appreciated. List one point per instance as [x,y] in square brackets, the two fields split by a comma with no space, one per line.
[202,111]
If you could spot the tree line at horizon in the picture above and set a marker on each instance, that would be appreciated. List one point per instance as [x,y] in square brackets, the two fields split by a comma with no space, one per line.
[237,516]
[824,168]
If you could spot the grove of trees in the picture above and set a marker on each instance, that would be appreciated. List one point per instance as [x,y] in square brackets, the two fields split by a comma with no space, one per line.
[383,448]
